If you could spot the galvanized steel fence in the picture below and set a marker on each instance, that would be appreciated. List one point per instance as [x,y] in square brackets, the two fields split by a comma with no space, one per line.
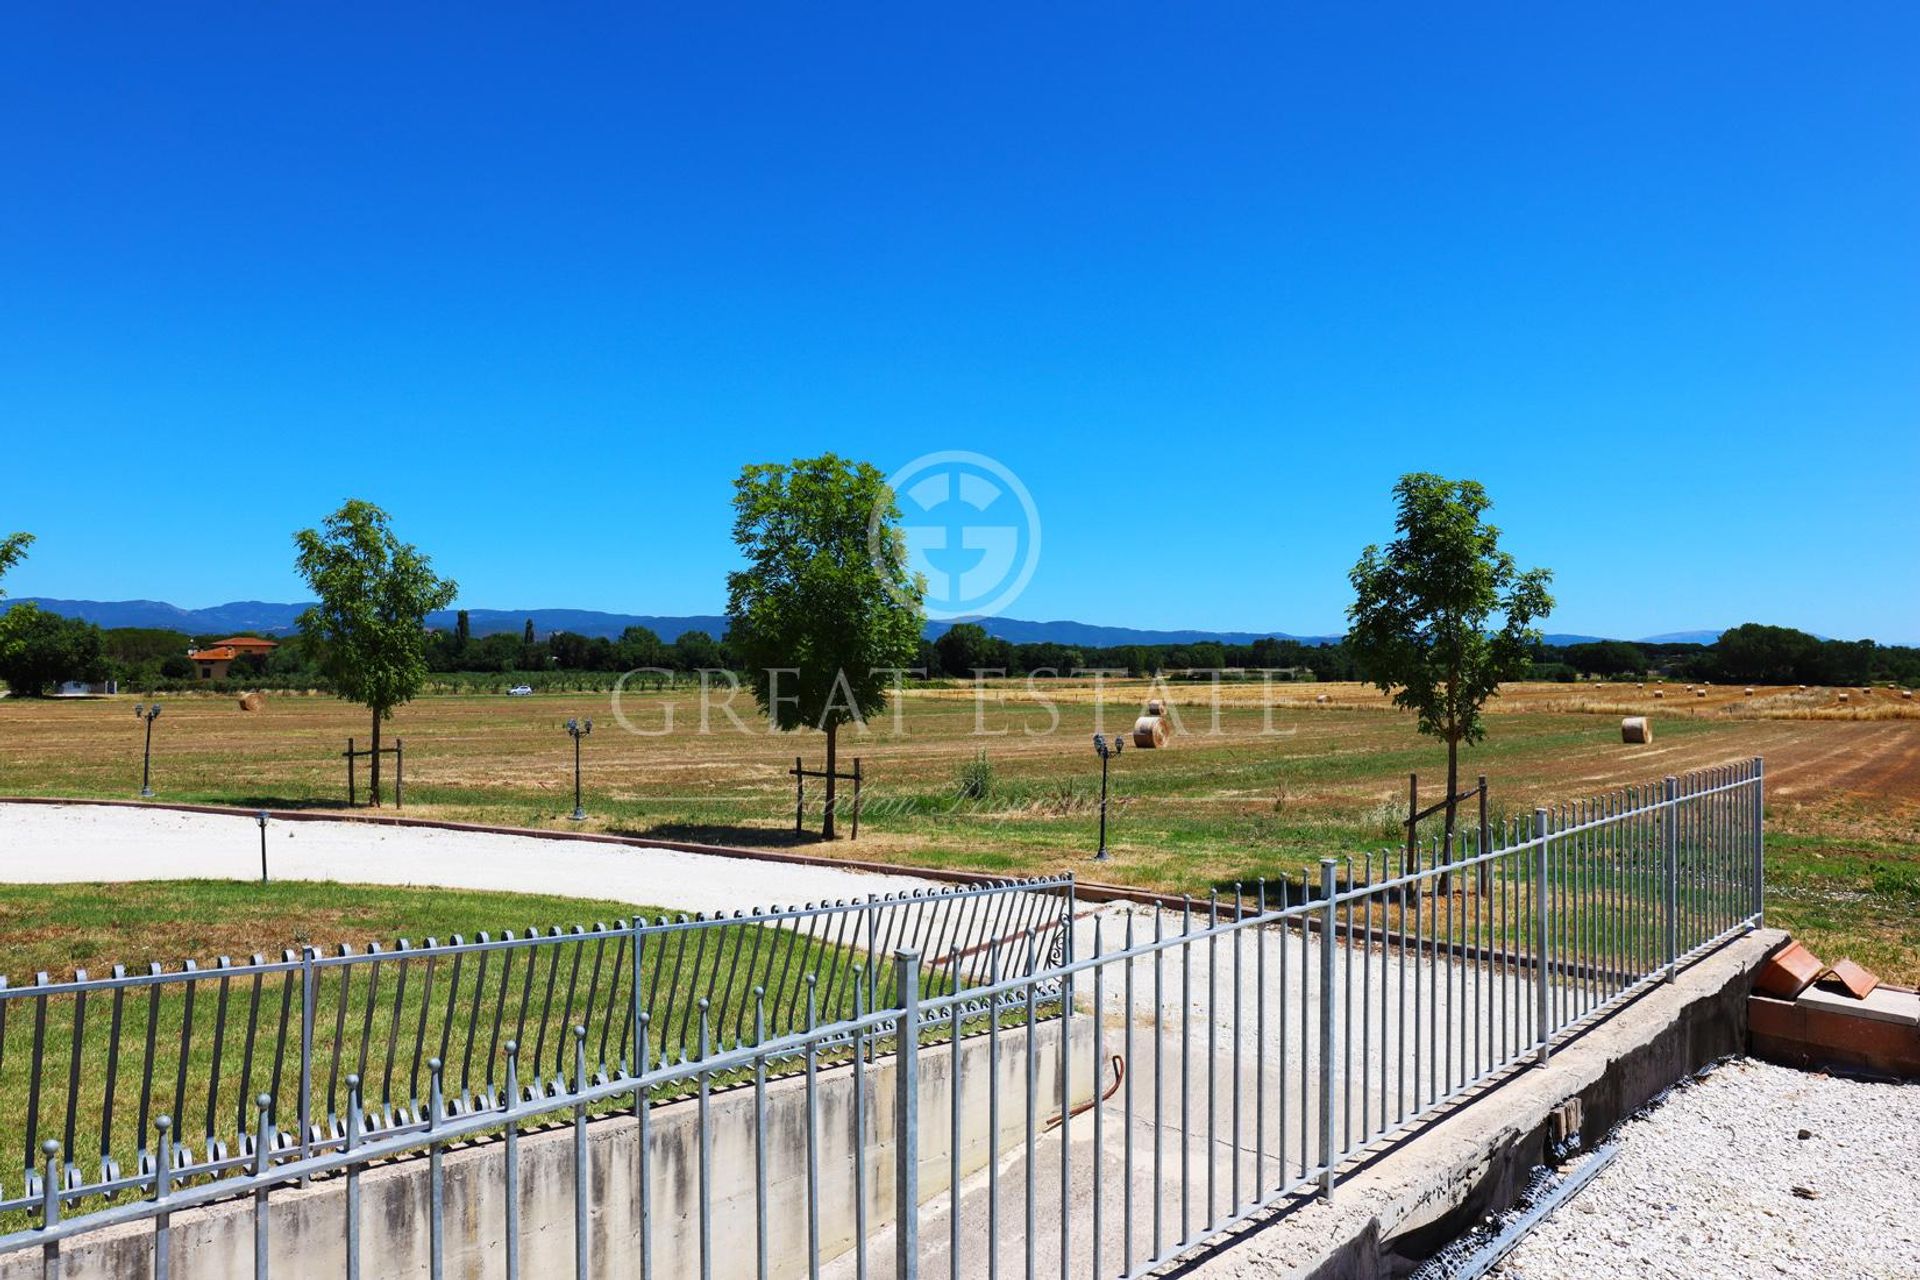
[92,1061]
[1211,1062]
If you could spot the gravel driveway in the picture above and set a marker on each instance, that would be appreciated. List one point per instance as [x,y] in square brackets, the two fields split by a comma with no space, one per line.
[1756,1170]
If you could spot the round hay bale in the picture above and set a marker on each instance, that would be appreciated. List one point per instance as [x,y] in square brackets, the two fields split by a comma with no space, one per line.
[1155,707]
[1699,693]
[1659,693]
[1843,697]
[1149,732]
[1636,730]
[1749,693]
[1320,698]
[253,701]
[1907,694]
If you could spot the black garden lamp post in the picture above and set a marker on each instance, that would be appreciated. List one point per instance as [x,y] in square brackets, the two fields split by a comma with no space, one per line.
[579,729]
[1106,748]
[149,713]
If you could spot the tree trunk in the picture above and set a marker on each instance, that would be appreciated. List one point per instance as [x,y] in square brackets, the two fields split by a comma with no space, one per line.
[826,824]
[373,786]
[1453,805]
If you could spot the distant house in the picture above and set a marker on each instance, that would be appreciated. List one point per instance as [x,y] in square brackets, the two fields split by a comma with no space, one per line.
[87,688]
[211,663]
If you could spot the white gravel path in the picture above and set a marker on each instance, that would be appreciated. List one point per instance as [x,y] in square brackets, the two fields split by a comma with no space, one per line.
[80,842]
[1718,1182]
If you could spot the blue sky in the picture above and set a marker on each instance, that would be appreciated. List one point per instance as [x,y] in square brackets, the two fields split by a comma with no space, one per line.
[1207,279]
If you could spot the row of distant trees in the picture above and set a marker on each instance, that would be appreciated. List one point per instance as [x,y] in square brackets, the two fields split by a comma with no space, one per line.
[143,658]
[1751,653]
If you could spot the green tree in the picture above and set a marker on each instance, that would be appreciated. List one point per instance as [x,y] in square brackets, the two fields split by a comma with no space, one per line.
[965,647]
[826,610]
[639,647]
[1607,658]
[698,651]
[13,549]
[1421,613]
[1768,655]
[462,629]
[367,633]
[38,648]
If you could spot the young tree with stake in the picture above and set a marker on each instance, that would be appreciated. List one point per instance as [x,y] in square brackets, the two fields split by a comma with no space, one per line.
[826,613]
[1420,618]
[368,631]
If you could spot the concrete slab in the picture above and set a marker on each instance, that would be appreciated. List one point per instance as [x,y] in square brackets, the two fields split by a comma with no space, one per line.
[1882,1004]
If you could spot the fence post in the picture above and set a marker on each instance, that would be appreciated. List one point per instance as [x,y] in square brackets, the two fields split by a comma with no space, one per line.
[350,796]
[799,796]
[906,1120]
[1328,1006]
[399,772]
[1541,952]
[50,1208]
[1670,831]
[1759,841]
[308,983]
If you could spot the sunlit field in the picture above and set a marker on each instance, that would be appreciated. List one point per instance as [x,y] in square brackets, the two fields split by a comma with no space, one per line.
[1257,781]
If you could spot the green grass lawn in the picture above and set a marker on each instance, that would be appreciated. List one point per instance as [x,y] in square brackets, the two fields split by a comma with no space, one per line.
[200,1051]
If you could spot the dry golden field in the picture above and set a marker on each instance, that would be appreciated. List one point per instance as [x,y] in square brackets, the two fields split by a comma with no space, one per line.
[1257,781]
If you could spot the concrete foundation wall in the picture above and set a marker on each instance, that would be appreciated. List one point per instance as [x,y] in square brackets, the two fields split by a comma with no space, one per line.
[307,1227]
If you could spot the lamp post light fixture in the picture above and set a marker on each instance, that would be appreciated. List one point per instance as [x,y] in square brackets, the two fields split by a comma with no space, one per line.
[1106,748]
[579,729]
[148,712]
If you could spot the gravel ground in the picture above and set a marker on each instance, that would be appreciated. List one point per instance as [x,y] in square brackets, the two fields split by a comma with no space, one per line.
[1756,1170]
[82,842]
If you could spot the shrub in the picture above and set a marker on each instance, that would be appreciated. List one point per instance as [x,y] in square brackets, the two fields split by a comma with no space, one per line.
[975,781]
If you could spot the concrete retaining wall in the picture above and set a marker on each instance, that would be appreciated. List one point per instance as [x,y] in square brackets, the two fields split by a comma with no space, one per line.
[307,1226]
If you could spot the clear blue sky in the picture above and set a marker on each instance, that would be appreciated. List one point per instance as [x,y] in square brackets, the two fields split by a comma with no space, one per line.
[1206,278]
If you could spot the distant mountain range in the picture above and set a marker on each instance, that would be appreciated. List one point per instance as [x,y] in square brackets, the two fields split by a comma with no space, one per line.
[278,619]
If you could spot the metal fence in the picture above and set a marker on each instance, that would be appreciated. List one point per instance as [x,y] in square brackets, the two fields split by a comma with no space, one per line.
[91,1062]
[1241,1051]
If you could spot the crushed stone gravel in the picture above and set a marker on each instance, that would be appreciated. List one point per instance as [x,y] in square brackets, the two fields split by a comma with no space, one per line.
[1753,1170]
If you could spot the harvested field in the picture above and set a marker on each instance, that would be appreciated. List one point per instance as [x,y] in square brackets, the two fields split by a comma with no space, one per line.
[1246,788]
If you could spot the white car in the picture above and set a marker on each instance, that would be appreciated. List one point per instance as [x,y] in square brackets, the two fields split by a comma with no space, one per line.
[520,691]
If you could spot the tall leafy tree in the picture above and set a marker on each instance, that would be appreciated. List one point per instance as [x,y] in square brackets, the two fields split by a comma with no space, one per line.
[368,633]
[826,609]
[13,549]
[1441,615]
[698,651]
[38,648]
[965,647]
